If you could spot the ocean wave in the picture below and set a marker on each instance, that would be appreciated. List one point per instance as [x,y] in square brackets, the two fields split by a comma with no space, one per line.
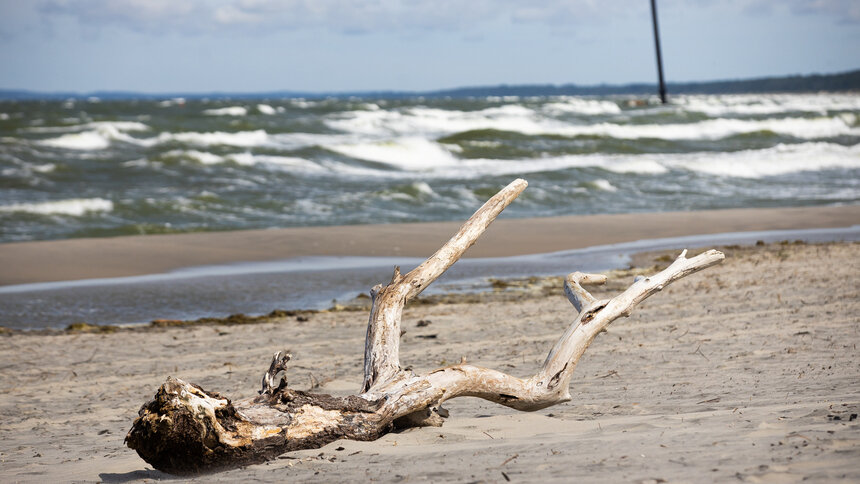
[177,101]
[246,159]
[245,139]
[227,111]
[288,162]
[440,122]
[266,109]
[803,128]
[97,139]
[201,157]
[94,125]
[418,190]
[574,105]
[604,185]
[102,137]
[764,104]
[779,160]
[526,121]
[413,154]
[75,207]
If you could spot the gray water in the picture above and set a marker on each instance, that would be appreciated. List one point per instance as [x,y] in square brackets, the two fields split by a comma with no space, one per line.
[313,282]
[103,168]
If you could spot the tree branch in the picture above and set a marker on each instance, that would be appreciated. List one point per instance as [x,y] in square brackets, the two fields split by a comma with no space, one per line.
[382,342]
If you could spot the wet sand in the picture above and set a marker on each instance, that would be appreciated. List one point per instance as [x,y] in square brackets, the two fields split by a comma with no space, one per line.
[746,372]
[32,262]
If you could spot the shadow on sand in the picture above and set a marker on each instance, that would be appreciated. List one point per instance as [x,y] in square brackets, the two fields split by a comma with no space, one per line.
[113,478]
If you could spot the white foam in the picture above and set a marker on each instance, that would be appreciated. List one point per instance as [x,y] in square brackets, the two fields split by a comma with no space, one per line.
[412,153]
[88,140]
[95,125]
[303,104]
[99,138]
[767,104]
[202,157]
[289,163]
[266,109]
[4,116]
[75,207]
[779,160]
[604,185]
[576,105]
[44,168]
[803,128]
[432,122]
[177,101]
[635,165]
[440,122]
[423,188]
[245,139]
[228,111]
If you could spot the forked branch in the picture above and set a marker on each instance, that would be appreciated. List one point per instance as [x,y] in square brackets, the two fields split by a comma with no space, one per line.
[382,343]
[187,430]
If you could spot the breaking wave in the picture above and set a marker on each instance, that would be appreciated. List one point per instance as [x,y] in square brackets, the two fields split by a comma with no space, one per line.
[76,207]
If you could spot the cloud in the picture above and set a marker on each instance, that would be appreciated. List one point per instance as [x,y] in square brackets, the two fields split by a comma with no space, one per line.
[408,16]
[843,11]
[345,16]
[846,11]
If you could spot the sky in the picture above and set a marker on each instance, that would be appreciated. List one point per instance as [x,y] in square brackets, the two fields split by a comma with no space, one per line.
[162,46]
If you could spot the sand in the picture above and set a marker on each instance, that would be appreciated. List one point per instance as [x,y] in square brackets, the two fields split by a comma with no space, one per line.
[747,372]
[32,262]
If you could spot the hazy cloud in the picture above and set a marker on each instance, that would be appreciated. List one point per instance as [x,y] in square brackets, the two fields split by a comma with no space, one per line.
[357,16]
[840,10]
[848,11]
[348,16]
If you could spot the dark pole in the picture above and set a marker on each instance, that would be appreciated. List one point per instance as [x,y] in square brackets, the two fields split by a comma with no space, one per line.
[659,57]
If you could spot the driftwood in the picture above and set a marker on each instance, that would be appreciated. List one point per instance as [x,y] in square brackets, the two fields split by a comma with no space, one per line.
[187,430]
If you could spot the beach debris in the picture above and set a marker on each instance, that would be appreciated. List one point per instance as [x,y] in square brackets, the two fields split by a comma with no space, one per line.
[187,430]
[279,364]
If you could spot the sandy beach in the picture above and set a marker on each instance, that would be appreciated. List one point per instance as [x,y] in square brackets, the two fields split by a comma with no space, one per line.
[72,259]
[746,372]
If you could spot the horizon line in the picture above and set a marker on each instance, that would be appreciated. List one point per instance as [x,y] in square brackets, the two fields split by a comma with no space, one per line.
[24,93]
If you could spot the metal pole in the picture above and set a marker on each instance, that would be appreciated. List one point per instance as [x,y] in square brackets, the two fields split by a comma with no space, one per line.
[659,57]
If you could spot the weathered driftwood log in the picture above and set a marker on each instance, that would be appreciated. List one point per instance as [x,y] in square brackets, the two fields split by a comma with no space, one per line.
[186,429]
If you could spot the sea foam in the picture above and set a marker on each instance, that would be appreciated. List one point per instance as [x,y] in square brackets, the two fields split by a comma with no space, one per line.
[575,105]
[432,122]
[779,160]
[228,111]
[413,153]
[266,109]
[75,207]
[96,139]
[767,104]
[94,125]
[244,139]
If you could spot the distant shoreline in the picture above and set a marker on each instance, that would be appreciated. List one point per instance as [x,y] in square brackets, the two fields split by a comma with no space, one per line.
[89,258]
[835,82]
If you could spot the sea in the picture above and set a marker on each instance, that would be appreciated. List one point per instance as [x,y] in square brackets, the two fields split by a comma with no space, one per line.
[95,168]
[98,168]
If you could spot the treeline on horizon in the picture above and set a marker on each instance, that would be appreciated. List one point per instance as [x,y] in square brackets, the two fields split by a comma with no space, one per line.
[846,81]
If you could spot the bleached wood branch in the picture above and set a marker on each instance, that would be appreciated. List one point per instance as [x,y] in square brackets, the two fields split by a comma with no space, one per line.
[550,385]
[187,430]
[382,343]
